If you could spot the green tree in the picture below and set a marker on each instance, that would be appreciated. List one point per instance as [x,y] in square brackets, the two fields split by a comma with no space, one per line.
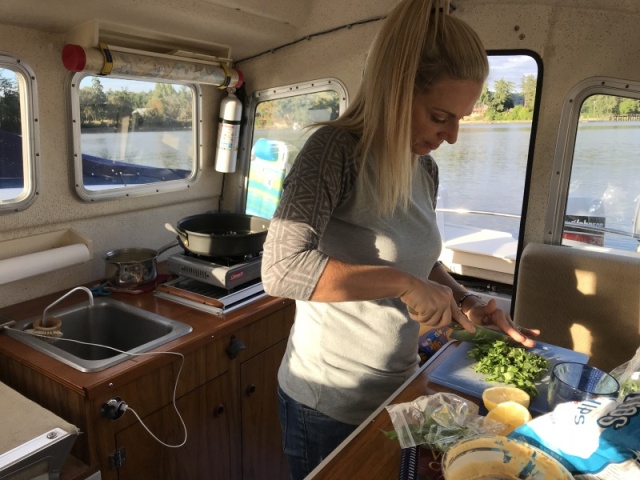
[528,86]
[485,96]
[501,99]
[93,103]
[119,106]
[599,106]
[629,105]
[327,100]
[10,119]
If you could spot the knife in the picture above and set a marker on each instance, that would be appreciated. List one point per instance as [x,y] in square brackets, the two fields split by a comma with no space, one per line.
[481,335]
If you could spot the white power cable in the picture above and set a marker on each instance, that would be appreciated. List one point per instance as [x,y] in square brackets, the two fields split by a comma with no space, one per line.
[125,406]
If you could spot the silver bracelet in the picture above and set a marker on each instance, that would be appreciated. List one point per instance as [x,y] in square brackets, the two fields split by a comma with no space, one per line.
[465,296]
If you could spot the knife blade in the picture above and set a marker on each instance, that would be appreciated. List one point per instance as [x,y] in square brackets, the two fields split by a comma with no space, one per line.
[481,335]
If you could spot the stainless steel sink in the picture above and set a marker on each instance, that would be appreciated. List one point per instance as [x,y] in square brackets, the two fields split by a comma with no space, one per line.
[107,323]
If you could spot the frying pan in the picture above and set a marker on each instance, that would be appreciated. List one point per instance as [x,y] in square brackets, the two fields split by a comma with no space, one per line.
[221,234]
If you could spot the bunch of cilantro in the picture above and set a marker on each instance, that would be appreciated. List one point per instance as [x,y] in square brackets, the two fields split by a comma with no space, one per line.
[505,363]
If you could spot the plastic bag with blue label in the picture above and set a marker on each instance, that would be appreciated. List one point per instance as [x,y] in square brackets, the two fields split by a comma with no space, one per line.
[594,439]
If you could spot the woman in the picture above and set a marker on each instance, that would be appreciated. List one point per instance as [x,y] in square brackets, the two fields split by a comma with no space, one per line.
[355,241]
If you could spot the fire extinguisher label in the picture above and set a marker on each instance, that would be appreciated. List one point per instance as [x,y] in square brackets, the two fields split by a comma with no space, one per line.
[228,136]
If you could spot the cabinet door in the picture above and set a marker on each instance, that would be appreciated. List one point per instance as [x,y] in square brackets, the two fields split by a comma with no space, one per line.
[208,452]
[262,456]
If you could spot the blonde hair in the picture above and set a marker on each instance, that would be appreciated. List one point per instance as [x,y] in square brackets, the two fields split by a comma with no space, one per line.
[418,45]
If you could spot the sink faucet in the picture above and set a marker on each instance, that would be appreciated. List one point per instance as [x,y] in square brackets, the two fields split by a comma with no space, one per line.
[85,289]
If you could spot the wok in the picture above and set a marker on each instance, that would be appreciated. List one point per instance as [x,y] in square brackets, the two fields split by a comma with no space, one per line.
[221,234]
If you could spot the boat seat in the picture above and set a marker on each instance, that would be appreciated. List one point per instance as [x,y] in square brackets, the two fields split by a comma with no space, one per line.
[584,300]
[34,442]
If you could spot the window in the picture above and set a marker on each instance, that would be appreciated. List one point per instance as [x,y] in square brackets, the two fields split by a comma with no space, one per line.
[279,118]
[133,137]
[18,135]
[597,167]
[483,175]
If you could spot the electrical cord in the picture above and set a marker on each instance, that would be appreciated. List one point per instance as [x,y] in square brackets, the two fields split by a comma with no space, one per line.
[122,406]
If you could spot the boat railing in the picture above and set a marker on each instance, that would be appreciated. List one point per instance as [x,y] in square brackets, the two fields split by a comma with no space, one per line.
[586,227]
[464,211]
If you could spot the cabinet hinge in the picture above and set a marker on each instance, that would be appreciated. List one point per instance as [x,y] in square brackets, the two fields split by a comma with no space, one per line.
[118,458]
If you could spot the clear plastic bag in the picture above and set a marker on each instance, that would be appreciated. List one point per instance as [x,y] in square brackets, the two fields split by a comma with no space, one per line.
[438,421]
[628,375]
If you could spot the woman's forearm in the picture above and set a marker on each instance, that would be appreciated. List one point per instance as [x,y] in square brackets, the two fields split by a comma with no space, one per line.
[341,282]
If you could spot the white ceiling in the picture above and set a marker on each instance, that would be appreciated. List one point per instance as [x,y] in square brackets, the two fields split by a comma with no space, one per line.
[246,27]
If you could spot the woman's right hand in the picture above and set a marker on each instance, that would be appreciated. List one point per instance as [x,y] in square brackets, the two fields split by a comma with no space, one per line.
[433,304]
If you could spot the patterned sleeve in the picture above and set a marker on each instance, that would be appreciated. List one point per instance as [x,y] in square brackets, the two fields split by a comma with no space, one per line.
[319,180]
[432,167]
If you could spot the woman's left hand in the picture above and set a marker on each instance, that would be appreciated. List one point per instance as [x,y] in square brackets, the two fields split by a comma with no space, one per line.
[490,315]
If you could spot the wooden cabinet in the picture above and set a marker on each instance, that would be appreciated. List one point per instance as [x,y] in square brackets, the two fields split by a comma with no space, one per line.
[256,370]
[208,414]
[262,457]
[232,421]
[226,396]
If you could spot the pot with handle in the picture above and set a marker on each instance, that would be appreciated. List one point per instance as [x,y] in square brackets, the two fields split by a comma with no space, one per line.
[133,267]
[221,234]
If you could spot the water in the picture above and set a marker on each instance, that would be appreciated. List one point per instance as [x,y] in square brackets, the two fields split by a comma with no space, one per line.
[485,170]
[163,149]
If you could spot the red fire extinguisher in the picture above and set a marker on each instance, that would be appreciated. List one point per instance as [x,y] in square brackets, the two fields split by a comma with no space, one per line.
[228,133]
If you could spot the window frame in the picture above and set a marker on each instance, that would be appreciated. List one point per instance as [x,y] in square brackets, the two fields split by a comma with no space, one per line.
[565,148]
[276,93]
[28,91]
[88,195]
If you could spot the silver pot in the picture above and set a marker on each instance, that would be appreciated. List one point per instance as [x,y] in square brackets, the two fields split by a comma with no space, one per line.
[133,267]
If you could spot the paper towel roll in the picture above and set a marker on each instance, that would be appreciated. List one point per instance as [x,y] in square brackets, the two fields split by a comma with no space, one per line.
[25,266]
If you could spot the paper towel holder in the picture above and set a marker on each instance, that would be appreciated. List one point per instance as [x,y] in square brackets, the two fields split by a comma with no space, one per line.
[14,252]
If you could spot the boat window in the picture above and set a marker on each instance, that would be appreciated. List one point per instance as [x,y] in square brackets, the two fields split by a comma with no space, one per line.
[597,168]
[133,137]
[482,176]
[18,135]
[280,118]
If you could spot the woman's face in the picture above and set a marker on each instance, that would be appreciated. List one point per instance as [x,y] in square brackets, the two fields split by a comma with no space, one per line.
[436,114]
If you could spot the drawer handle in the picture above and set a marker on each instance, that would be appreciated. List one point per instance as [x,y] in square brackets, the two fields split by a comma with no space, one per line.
[251,389]
[234,347]
[218,410]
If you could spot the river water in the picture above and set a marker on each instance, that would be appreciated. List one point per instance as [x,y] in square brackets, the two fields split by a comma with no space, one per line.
[485,170]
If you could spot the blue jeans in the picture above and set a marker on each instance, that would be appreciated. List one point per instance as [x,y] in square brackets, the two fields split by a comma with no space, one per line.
[308,436]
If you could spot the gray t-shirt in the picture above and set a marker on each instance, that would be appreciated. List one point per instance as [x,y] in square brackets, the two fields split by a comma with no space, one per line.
[345,358]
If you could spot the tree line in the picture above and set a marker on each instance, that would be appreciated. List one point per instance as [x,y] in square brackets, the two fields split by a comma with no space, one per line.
[162,107]
[166,106]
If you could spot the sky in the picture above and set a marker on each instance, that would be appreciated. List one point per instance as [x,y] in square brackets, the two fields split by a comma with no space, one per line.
[511,68]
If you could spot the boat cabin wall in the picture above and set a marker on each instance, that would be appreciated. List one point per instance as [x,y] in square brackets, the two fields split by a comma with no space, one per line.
[109,225]
[568,37]
[574,40]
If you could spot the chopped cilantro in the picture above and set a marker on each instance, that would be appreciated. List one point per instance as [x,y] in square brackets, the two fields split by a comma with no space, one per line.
[505,363]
